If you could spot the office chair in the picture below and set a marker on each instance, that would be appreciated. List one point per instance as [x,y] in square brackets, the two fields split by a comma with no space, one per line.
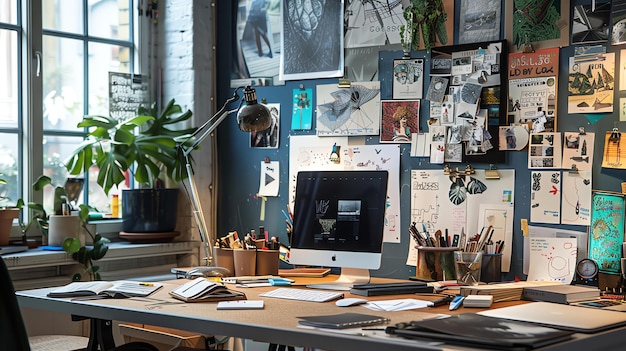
[13,332]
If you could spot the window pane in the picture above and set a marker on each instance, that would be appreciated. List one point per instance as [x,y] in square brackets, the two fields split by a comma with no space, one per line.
[8,11]
[8,84]
[56,150]
[109,19]
[63,15]
[8,169]
[104,58]
[62,83]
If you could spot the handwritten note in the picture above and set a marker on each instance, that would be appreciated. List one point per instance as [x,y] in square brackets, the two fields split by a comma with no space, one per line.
[552,259]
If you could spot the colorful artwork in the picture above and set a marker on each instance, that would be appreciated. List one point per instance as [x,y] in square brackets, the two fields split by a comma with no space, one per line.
[606,231]
[400,119]
[302,114]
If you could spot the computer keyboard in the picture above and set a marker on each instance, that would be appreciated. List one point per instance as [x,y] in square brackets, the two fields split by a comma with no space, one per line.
[303,294]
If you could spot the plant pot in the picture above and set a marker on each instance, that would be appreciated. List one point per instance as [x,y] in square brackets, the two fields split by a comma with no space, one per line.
[149,210]
[6,223]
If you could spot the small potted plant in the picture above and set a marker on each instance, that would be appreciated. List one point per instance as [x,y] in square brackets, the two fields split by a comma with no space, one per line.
[149,146]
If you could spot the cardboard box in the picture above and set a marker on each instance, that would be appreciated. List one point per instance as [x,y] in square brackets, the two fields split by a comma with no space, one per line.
[162,338]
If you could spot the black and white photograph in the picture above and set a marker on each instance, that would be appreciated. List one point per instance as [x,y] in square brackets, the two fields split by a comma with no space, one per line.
[312,40]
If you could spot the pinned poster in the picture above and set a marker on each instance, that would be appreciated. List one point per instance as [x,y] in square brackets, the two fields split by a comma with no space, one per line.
[270,178]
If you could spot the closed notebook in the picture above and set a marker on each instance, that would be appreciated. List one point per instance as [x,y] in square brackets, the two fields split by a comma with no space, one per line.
[203,290]
[342,321]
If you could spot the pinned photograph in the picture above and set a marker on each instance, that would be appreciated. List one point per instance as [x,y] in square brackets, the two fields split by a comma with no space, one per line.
[408,79]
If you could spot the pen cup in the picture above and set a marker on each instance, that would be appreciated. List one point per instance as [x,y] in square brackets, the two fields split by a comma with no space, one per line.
[245,262]
[61,227]
[435,263]
[267,262]
[468,267]
[491,268]
[224,258]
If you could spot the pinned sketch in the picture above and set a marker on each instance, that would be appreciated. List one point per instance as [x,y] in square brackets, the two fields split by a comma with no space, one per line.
[371,23]
[552,259]
[437,89]
[408,78]
[613,150]
[591,83]
[312,153]
[270,178]
[348,111]
[545,197]
[479,21]
[545,150]
[576,197]
[606,231]
[553,232]
[578,150]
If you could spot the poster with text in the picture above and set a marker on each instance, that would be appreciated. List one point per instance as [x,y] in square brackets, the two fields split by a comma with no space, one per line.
[606,231]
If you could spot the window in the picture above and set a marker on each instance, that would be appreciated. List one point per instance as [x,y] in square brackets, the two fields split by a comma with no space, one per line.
[81,41]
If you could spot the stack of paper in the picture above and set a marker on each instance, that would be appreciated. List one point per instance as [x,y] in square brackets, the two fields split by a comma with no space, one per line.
[503,291]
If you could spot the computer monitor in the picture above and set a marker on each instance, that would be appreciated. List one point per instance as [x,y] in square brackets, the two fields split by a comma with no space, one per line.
[338,221]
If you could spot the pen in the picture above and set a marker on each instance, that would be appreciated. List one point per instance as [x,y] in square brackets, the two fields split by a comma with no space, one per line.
[146,284]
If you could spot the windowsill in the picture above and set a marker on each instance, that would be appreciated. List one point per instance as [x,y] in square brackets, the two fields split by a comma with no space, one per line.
[120,250]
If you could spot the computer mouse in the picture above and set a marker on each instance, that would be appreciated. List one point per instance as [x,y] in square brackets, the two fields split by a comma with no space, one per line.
[350,301]
[206,271]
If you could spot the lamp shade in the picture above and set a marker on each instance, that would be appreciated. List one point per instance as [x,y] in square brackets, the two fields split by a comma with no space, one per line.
[253,117]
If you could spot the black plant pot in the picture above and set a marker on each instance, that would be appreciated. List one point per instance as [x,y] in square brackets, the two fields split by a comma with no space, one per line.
[149,210]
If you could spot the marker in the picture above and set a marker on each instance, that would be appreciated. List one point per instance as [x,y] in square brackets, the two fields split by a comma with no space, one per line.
[146,284]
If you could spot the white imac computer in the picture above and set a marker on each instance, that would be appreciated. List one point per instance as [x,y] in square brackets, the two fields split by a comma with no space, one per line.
[338,221]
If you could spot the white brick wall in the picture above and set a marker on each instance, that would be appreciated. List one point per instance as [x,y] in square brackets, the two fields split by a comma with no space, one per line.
[185,60]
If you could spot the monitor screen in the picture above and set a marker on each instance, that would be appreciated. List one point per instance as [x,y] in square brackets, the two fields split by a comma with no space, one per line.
[339,219]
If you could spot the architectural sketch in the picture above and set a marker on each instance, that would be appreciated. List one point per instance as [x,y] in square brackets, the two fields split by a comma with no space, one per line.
[372,23]
[348,111]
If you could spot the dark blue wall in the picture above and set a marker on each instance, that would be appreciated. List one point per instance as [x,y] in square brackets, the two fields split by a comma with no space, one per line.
[239,164]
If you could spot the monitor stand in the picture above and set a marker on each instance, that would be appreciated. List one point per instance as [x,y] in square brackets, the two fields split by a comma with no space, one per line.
[348,278]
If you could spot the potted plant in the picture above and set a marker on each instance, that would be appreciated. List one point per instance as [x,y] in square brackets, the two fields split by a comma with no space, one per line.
[149,146]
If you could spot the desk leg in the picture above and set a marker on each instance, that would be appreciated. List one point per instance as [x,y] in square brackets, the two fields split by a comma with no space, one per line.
[100,335]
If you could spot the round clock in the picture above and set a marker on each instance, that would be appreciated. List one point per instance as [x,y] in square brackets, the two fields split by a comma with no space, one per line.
[587,272]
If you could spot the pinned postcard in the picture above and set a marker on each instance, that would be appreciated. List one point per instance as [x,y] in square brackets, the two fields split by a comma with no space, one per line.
[270,178]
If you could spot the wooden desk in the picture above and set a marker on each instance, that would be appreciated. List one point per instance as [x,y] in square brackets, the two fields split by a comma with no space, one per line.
[277,323]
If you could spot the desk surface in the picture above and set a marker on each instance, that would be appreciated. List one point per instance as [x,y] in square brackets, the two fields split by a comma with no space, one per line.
[277,322]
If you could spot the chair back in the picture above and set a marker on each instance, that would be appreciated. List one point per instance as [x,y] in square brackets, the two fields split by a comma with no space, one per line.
[12,331]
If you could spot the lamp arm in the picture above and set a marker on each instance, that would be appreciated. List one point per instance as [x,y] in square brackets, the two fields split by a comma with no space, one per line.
[212,123]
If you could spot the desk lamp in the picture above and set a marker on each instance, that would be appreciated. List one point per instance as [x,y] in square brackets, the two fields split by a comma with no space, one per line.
[252,117]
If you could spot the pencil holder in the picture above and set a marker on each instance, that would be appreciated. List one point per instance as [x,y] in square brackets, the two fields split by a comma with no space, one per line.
[267,262]
[491,268]
[435,263]
[245,262]
[61,227]
[224,258]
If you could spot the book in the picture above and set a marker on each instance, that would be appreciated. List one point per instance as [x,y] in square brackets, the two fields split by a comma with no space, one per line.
[503,291]
[118,288]
[342,320]
[561,293]
[203,290]
[470,329]
[378,289]
[304,272]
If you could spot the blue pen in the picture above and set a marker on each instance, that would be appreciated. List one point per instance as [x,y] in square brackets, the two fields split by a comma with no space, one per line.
[286,216]
[456,302]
